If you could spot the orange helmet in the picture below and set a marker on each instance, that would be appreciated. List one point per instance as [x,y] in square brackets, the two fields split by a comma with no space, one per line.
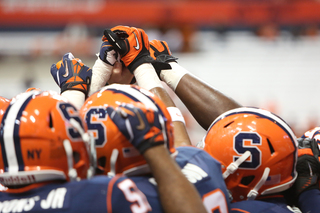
[257,151]
[32,88]
[42,139]
[4,101]
[115,153]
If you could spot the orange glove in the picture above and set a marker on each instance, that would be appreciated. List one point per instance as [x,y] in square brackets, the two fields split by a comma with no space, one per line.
[131,43]
[159,50]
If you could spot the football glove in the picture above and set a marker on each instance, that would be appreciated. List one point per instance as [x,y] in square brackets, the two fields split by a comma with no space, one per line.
[159,50]
[71,74]
[308,168]
[107,53]
[131,43]
[142,129]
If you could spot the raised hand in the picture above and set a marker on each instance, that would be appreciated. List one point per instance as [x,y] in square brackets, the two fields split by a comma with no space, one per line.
[71,74]
[131,43]
[108,54]
[159,50]
[142,129]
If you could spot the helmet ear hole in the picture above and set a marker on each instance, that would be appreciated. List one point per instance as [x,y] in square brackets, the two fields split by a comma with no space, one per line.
[50,121]
[228,124]
[270,146]
[247,180]
[76,157]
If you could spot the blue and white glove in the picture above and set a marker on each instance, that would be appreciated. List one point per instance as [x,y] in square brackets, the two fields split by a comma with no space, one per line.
[143,129]
[71,74]
[108,54]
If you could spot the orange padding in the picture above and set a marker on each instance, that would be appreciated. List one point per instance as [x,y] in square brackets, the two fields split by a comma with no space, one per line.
[305,151]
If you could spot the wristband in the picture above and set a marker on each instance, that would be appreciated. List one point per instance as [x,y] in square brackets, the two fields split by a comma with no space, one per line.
[147,77]
[75,97]
[176,114]
[173,76]
[101,73]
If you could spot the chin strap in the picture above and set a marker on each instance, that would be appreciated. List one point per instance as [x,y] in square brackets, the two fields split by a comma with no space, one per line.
[72,173]
[235,165]
[113,160]
[254,192]
[88,139]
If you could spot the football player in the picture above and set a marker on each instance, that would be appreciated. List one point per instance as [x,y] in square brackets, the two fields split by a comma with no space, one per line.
[98,112]
[258,153]
[48,158]
[189,88]
[117,156]
[206,103]
[132,44]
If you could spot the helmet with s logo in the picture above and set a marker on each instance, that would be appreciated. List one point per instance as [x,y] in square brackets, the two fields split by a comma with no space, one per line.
[257,150]
[115,153]
[3,101]
[42,138]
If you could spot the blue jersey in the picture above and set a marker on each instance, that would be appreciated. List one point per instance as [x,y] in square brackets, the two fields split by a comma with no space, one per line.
[275,205]
[99,194]
[205,173]
[309,201]
[123,194]
[200,169]
[84,196]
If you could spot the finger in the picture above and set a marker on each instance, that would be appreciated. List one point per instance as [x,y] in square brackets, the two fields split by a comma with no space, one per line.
[115,41]
[104,39]
[55,72]
[166,47]
[68,55]
[153,52]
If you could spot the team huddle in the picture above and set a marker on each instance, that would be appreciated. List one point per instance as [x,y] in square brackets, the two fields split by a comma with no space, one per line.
[113,140]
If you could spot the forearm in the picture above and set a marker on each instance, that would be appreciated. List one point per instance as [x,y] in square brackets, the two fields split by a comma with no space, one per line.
[75,97]
[181,137]
[148,79]
[101,72]
[204,102]
[172,183]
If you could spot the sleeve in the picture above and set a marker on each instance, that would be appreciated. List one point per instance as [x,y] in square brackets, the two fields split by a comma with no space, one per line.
[309,201]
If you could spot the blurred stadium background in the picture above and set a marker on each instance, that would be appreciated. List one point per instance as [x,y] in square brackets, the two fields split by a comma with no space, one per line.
[263,53]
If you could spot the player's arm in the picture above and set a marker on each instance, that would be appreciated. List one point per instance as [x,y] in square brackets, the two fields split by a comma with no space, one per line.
[176,193]
[172,183]
[305,191]
[77,81]
[102,70]
[138,61]
[203,101]
[73,77]
[180,130]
